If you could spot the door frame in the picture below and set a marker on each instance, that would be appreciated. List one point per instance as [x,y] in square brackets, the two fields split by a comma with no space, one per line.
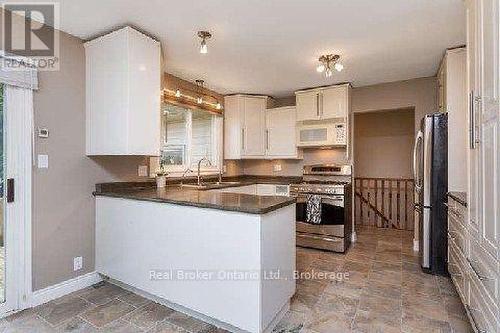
[18,146]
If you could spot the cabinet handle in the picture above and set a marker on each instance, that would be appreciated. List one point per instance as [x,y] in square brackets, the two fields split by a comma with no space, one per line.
[321,111]
[243,138]
[474,323]
[472,135]
[267,139]
[317,105]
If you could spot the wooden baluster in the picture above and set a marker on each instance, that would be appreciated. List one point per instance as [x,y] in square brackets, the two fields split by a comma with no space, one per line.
[383,201]
[398,207]
[377,218]
[390,204]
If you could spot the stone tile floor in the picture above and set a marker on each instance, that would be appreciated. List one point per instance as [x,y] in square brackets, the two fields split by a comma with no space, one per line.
[385,291]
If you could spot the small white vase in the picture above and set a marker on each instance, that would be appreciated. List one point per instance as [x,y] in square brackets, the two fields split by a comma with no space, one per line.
[161,181]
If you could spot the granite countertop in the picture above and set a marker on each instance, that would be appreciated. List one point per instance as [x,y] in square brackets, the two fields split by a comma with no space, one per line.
[460,197]
[205,198]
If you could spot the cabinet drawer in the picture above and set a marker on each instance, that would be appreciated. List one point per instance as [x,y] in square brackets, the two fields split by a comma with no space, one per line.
[458,270]
[485,269]
[457,234]
[457,211]
[482,311]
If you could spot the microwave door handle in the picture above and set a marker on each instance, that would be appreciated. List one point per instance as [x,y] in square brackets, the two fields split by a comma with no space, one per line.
[416,171]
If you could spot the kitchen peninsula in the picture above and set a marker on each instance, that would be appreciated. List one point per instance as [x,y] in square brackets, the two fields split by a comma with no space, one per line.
[226,258]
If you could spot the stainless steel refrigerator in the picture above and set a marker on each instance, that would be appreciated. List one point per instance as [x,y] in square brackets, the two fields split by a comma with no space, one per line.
[430,165]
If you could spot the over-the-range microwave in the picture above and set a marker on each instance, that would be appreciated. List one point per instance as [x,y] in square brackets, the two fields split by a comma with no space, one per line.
[325,133]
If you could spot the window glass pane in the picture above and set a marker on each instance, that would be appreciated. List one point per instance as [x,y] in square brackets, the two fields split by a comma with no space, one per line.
[203,138]
[175,136]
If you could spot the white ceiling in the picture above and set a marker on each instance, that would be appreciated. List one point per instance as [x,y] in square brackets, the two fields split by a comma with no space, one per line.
[272,46]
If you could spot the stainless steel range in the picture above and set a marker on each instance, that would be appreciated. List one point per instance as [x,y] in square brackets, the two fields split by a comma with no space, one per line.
[324,210]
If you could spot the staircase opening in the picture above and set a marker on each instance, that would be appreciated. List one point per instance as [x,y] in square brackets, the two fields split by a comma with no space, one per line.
[383,145]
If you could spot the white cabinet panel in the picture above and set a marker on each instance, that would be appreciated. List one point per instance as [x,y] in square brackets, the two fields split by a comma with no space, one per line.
[280,133]
[334,102]
[307,105]
[123,83]
[244,126]
[254,127]
[323,103]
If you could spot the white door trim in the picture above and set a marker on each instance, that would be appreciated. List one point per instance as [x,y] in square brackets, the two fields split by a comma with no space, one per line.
[18,113]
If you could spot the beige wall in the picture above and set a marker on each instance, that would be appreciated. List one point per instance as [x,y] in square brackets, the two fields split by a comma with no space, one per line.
[420,94]
[63,206]
[417,94]
[384,144]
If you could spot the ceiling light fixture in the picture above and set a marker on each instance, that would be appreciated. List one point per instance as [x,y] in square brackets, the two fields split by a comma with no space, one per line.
[327,62]
[204,35]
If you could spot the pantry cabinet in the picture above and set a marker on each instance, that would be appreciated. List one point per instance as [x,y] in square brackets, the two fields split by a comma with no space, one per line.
[484,71]
[323,103]
[473,234]
[123,84]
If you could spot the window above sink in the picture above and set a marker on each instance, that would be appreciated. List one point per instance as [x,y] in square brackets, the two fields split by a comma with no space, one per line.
[188,135]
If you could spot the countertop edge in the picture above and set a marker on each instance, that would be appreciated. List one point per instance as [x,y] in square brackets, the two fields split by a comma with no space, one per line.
[257,211]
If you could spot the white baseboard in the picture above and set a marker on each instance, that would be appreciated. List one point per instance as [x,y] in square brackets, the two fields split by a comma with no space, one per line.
[415,245]
[66,287]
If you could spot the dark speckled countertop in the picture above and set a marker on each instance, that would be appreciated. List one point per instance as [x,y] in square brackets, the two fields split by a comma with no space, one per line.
[460,197]
[174,194]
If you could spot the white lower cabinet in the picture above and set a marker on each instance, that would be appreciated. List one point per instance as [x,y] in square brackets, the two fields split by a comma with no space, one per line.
[474,272]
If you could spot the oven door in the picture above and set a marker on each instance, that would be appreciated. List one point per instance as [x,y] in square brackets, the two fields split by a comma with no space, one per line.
[332,216]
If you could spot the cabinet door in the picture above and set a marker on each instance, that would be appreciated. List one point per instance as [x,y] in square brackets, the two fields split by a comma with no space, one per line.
[280,133]
[333,103]
[254,127]
[233,129]
[488,105]
[473,118]
[308,106]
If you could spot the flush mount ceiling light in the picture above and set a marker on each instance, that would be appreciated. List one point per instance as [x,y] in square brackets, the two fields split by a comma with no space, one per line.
[329,62]
[204,35]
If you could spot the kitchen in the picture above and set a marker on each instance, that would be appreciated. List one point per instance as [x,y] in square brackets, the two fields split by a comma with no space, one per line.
[224,185]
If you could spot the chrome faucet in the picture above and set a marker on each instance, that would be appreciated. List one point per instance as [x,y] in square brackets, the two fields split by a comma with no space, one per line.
[199,165]
[184,175]
[220,175]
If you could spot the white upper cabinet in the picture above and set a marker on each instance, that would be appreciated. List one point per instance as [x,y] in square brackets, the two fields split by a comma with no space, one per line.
[307,105]
[323,103]
[254,124]
[244,126]
[334,102]
[253,132]
[123,83]
[280,133]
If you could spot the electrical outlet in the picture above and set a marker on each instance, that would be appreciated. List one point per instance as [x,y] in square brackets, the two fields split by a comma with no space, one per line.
[43,161]
[224,168]
[142,170]
[277,167]
[77,263]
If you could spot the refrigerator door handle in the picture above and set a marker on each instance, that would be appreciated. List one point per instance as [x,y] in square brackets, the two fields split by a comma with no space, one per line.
[416,171]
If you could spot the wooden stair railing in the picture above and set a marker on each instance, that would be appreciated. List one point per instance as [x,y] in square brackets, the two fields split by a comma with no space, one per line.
[384,202]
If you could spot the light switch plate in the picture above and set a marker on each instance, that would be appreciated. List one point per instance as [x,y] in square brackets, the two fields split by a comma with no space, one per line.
[43,161]
[277,167]
[142,170]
